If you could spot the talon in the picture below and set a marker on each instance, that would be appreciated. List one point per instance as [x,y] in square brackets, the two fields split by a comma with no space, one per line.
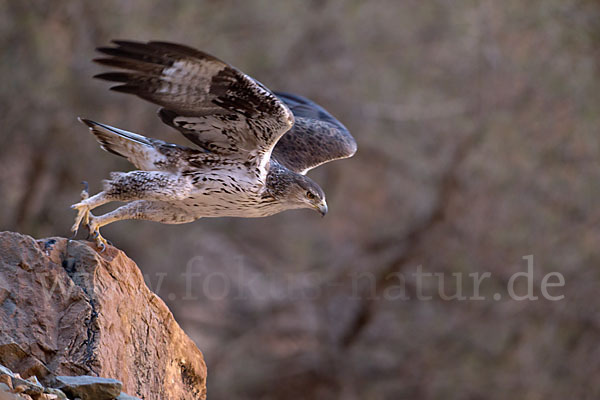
[83,210]
[101,243]
[83,215]
[94,232]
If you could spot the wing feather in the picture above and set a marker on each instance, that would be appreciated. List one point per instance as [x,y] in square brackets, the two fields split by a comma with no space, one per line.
[316,137]
[206,99]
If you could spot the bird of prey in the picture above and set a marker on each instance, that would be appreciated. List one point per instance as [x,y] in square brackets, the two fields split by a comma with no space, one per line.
[252,149]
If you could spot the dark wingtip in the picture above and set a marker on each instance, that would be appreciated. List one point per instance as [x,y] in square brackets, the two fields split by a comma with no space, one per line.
[114,76]
[105,49]
[103,60]
[125,89]
[124,42]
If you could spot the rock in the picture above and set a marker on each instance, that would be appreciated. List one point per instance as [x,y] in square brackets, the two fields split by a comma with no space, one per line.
[52,393]
[13,356]
[89,387]
[5,371]
[29,387]
[67,310]
[19,388]
[34,379]
[125,396]
[6,379]
[24,389]
[10,396]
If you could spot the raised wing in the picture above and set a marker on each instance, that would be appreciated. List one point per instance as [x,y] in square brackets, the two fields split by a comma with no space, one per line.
[316,137]
[213,104]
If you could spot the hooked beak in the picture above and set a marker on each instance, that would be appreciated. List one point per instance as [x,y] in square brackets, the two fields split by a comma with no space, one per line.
[322,209]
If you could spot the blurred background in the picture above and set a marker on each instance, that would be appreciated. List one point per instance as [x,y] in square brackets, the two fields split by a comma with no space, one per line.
[477,124]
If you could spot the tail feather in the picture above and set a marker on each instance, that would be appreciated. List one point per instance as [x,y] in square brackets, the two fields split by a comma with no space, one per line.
[139,150]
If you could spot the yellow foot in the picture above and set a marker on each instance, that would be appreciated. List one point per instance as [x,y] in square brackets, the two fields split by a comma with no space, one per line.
[83,210]
[94,229]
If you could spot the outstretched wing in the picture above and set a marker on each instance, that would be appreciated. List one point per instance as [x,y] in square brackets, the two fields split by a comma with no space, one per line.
[316,137]
[213,104]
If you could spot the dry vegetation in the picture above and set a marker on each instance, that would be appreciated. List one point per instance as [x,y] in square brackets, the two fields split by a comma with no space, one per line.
[477,124]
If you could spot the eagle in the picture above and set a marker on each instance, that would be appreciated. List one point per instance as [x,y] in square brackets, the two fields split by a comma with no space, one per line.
[253,147]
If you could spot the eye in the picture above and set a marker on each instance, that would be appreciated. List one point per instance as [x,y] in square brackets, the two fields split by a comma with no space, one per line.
[310,195]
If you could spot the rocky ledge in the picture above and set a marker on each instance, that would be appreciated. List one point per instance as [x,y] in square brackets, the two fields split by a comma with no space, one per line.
[13,387]
[68,311]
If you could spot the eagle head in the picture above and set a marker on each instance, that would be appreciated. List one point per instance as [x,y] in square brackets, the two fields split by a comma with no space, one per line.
[296,190]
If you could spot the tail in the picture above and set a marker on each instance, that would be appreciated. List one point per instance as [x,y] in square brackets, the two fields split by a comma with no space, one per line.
[139,150]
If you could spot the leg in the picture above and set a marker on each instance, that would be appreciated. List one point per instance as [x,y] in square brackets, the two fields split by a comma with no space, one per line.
[134,185]
[85,206]
[82,214]
[157,211]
